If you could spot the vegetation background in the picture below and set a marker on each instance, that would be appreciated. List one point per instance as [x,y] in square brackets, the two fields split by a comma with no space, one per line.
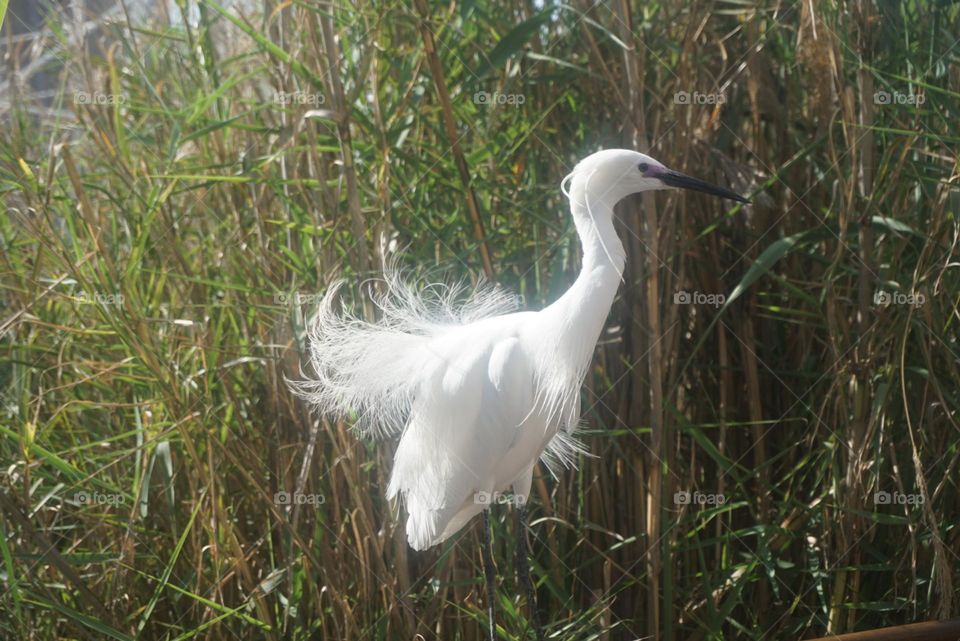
[196,174]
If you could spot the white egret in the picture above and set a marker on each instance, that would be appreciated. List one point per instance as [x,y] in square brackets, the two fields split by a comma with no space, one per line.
[479,392]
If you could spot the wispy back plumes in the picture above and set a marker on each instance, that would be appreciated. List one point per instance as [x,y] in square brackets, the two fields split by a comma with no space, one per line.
[373,368]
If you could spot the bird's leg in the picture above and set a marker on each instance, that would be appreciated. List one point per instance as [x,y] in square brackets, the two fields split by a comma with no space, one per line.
[523,569]
[490,573]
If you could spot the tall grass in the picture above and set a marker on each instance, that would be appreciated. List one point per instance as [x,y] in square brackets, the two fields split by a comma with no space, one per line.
[197,182]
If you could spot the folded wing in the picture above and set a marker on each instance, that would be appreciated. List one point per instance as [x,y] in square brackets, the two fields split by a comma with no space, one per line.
[467,416]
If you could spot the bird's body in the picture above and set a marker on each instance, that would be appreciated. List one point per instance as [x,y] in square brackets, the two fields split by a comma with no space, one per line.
[471,434]
[487,411]
[479,393]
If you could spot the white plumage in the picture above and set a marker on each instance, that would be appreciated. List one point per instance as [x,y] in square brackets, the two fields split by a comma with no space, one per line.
[479,392]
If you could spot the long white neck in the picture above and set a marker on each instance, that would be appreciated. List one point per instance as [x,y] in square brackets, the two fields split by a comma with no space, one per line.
[584,307]
[571,326]
[601,246]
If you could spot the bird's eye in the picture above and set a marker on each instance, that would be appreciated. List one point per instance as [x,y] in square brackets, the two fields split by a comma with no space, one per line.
[643,167]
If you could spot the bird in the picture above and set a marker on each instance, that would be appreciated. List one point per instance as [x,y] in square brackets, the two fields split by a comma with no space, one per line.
[477,390]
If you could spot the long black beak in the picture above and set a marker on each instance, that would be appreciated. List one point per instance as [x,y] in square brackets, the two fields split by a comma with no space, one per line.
[676,179]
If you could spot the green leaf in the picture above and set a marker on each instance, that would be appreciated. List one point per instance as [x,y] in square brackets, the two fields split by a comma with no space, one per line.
[12,580]
[539,57]
[82,619]
[596,25]
[66,468]
[513,41]
[769,258]
[168,570]
[269,46]
[894,225]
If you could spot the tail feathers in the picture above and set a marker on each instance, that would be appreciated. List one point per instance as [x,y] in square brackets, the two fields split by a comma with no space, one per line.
[422,525]
[427,526]
[435,510]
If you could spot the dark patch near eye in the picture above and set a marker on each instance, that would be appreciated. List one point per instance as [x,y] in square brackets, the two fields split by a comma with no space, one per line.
[643,167]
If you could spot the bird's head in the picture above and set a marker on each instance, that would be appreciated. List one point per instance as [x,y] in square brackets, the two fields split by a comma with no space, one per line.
[613,174]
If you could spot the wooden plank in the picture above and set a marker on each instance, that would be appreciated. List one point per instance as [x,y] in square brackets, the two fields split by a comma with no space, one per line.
[926,631]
